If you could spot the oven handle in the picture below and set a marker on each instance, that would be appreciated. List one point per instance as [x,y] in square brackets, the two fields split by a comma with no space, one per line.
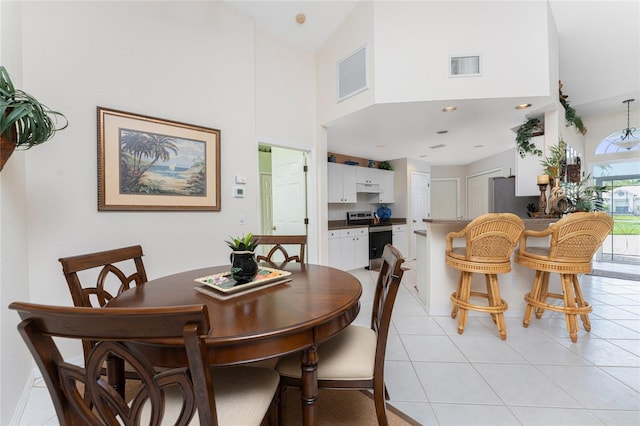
[380,229]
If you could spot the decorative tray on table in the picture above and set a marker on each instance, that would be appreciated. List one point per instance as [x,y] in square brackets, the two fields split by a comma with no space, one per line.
[223,286]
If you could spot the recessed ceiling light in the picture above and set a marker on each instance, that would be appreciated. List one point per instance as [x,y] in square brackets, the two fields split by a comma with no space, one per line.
[300,18]
[449,109]
[478,146]
[437,146]
[423,156]
[442,132]
[523,106]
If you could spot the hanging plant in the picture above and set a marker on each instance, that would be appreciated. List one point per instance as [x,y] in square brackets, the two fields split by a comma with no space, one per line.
[523,138]
[570,116]
[24,122]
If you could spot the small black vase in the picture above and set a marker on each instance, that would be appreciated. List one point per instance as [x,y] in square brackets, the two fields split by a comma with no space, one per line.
[244,267]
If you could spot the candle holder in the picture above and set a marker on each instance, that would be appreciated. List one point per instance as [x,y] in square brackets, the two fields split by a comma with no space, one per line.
[542,204]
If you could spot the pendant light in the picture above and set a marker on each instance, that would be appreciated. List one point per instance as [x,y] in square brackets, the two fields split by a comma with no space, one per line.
[628,139]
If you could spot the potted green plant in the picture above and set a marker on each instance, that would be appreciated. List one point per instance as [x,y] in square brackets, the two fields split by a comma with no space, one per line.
[555,161]
[243,261]
[24,122]
[523,138]
[584,197]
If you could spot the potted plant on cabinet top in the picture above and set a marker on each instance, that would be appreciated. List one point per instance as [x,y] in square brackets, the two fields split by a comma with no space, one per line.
[24,122]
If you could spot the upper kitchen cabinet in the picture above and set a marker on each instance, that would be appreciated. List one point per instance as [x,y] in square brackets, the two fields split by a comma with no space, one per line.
[341,183]
[377,182]
[527,169]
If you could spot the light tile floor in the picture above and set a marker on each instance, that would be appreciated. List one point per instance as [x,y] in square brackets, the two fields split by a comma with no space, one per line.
[535,377]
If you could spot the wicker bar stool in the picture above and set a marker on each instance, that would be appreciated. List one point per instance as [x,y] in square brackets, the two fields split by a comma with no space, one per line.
[490,240]
[574,240]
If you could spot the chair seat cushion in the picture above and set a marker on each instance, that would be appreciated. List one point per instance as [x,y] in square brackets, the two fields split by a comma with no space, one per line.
[348,356]
[242,394]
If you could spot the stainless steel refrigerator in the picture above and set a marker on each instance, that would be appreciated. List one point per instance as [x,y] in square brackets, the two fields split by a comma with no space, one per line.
[502,198]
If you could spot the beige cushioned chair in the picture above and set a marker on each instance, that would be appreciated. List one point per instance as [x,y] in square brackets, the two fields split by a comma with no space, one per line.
[354,359]
[81,395]
[574,239]
[490,240]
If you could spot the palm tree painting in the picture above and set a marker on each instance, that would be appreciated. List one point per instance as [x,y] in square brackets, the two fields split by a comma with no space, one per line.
[156,164]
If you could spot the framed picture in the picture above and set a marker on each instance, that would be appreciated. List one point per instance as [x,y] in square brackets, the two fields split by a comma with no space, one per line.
[147,163]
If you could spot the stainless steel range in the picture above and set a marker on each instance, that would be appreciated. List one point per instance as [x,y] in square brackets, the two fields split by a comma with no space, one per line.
[380,234]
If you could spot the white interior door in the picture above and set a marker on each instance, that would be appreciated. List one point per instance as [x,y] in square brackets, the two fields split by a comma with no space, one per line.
[478,193]
[420,207]
[289,190]
[445,193]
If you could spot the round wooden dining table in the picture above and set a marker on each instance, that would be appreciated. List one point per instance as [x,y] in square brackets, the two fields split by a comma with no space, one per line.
[295,316]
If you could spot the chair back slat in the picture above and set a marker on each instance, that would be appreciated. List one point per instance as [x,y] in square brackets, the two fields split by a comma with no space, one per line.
[387,286]
[278,255]
[81,394]
[83,294]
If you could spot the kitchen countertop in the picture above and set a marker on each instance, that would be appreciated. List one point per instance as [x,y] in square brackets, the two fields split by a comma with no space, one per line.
[526,220]
[342,224]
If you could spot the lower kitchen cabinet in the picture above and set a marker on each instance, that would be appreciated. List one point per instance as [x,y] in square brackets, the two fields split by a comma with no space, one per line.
[349,248]
[400,239]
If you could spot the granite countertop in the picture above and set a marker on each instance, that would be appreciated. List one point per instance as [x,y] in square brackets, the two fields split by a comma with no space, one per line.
[342,224]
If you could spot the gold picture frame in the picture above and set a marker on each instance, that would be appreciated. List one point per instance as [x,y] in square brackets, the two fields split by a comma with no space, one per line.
[147,163]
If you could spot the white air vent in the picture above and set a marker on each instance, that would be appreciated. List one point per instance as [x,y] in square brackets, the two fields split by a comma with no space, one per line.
[437,146]
[462,66]
[352,74]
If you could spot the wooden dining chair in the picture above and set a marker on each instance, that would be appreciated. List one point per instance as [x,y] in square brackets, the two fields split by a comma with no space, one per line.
[114,276]
[489,243]
[81,396]
[354,359]
[569,246]
[278,254]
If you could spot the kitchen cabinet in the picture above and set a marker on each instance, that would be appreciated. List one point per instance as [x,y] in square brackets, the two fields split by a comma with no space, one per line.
[387,184]
[383,178]
[349,248]
[341,186]
[400,239]
[527,170]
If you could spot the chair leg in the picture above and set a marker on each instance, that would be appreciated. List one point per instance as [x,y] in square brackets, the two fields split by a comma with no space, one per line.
[544,290]
[454,310]
[463,296]
[379,400]
[493,292]
[569,303]
[534,295]
[586,323]
[282,402]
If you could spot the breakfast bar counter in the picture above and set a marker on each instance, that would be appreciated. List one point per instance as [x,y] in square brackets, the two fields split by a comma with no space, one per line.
[436,281]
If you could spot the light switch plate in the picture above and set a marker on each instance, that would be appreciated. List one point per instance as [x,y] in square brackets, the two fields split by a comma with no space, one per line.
[238,192]
[241,179]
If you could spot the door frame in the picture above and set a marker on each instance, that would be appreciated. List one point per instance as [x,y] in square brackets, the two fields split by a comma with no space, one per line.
[313,228]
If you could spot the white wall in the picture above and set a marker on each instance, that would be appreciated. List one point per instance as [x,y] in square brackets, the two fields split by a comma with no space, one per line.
[356,31]
[194,62]
[414,40]
[15,365]
[285,77]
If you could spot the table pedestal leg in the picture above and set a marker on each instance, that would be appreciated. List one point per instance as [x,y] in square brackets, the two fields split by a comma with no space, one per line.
[309,388]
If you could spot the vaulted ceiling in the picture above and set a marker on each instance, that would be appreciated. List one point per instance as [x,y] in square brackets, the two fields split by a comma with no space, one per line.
[599,44]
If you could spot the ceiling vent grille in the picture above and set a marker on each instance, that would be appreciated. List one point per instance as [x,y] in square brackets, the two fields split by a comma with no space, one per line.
[464,66]
[352,74]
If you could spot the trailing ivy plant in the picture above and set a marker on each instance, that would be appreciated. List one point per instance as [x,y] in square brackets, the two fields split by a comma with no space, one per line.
[523,138]
[570,116]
